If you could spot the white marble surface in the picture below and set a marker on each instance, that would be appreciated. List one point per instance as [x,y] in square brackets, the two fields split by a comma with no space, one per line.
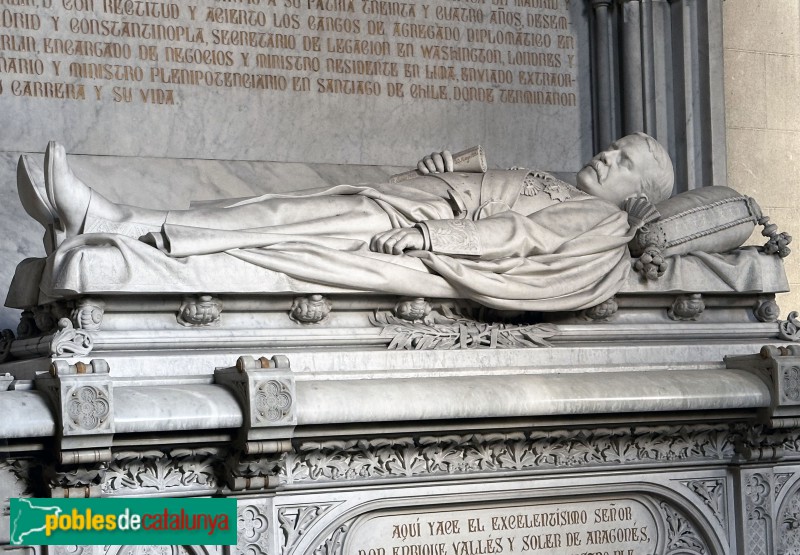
[250,124]
[159,183]
[441,398]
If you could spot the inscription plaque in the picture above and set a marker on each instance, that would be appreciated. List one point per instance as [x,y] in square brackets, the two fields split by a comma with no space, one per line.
[622,526]
[345,81]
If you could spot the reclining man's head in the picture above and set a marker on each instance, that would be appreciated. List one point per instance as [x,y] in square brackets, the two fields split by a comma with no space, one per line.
[634,166]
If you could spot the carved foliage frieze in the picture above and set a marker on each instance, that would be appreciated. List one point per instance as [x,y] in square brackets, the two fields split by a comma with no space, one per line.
[407,457]
[158,471]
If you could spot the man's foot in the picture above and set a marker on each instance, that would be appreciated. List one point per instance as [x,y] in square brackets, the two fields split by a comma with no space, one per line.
[69,195]
[33,195]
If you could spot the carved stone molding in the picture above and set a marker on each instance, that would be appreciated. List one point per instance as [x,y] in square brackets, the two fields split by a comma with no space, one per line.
[313,309]
[758,492]
[413,457]
[83,480]
[70,549]
[265,388]
[296,520]
[88,314]
[164,472]
[200,311]
[687,307]
[68,341]
[252,530]
[251,472]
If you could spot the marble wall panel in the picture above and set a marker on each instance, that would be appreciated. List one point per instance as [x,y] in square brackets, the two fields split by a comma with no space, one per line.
[299,80]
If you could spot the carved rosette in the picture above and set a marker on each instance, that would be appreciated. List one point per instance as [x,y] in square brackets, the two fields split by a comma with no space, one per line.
[252,527]
[272,402]
[87,409]
[687,307]
[201,311]
[791,383]
[70,342]
[313,309]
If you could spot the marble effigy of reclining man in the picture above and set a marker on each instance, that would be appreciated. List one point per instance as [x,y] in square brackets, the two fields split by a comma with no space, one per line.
[509,239]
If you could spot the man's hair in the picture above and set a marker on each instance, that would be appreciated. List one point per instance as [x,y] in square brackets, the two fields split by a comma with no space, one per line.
[657,185]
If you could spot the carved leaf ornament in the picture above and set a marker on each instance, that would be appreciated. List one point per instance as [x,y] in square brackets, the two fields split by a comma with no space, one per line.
[461,333]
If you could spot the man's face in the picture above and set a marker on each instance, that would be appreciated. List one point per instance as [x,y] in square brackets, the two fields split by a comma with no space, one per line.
[615,174]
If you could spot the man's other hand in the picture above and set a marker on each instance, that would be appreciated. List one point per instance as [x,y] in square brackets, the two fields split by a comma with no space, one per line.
[396,241]
[437,162]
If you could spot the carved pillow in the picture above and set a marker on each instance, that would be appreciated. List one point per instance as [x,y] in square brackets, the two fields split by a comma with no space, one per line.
[709,219]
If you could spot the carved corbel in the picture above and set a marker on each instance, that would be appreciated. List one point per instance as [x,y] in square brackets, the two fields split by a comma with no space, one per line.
[265,389]
[313,309]
[779,368]
[88,314]
[6,341]
[602,311]
[27,325]
[687,307]
[767,310]
[200,311]
[82,395]
[414,310]
[44,319]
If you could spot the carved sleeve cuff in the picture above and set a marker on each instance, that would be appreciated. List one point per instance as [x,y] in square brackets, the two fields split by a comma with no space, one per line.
[453,237]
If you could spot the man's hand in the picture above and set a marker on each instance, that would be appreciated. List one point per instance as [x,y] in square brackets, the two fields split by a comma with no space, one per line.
[396,241]
[437,162]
